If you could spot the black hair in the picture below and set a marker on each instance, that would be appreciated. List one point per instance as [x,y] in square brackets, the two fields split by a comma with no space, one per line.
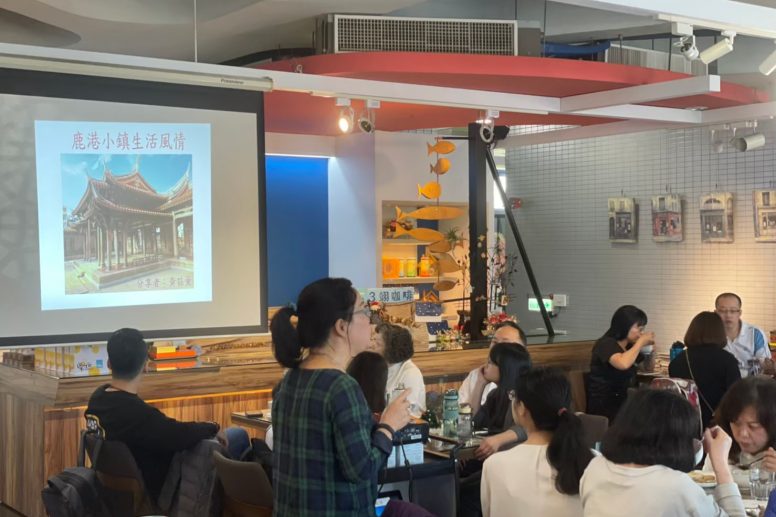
[546,394]
[654,427]
[513,361]
[370,370]
[757,391]
[320,305]
[509,323]
[398,342]
[127,353]
[623,319]
[728,295]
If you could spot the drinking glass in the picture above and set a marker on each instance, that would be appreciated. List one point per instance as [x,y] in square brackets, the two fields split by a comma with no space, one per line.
[761,483]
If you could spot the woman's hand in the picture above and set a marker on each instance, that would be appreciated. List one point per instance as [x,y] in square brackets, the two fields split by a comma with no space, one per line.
[491,444]
[646,338]
[717,443]
[769,460]
[397,414]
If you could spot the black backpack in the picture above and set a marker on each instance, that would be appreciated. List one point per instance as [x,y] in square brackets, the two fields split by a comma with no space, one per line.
[76,491]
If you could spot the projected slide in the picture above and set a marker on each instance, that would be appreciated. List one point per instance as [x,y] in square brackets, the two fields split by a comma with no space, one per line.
[124,213]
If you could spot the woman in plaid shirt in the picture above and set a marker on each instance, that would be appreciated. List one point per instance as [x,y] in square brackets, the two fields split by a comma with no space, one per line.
[328,450]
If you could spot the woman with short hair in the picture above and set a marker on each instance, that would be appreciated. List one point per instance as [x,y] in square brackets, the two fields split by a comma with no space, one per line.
[395,343]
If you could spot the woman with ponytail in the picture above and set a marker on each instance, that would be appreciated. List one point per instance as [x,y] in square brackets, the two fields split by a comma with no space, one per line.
[551,461]
[327,448]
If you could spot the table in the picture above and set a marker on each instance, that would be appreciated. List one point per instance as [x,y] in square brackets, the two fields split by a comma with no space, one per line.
[259,424]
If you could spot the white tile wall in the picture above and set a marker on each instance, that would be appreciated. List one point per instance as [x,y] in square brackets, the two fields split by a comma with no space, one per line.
[563,221]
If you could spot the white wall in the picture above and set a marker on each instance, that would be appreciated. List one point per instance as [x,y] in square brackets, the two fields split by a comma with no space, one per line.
[352,245]
[564,223]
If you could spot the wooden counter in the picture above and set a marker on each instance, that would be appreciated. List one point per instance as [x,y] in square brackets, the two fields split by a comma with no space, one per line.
[42,415]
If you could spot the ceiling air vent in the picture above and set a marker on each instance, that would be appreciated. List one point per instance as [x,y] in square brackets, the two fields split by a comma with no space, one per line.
[337,33]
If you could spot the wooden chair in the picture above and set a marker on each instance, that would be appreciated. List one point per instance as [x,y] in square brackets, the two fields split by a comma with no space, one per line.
[121,479]
[247,489]
[595,428]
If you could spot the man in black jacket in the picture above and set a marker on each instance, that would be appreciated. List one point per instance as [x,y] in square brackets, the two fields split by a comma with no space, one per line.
[119,414]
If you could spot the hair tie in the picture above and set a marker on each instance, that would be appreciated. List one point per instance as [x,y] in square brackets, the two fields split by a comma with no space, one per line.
[292,306]
[561,411]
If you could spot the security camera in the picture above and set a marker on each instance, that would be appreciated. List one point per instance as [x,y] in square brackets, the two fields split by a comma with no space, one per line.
[365,124]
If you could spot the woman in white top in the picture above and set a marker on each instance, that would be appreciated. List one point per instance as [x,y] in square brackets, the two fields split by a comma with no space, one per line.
[395,344]
[646,455]
[550,462]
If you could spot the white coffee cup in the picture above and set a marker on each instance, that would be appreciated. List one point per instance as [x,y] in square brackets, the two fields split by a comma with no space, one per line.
[647,349]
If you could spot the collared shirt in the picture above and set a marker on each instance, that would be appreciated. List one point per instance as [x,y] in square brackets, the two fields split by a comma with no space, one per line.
[409,375]
[327,453]
[749,344]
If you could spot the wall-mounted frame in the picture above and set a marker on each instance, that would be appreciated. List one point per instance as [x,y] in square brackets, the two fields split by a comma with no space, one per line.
[667,218]
[764,215]
[623,220]
[716,210]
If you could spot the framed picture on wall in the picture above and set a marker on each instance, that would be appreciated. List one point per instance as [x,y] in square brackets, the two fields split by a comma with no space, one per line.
[623,219]
[716,211]
[667,218]
[764,215]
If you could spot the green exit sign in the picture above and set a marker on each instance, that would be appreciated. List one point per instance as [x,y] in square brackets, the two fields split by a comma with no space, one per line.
[534,306]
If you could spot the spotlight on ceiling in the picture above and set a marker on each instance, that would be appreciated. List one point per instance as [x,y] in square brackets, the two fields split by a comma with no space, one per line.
[688,48]
[749,142]
[719,49]
[345,120]
[769,64]
[366,122]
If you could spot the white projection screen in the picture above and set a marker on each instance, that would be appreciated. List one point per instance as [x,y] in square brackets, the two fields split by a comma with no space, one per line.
[129,203]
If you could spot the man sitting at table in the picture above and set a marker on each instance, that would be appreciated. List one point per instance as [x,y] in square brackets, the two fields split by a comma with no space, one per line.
[746,342]
[506,332]
[119,414]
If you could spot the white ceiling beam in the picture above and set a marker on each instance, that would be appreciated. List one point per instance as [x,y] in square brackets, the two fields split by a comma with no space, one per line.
[643,93]
[582,132]
[639,112]
[747,19]
[759,111]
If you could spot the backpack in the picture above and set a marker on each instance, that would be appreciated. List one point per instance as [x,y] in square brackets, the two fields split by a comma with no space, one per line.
[76,491]
[685,388]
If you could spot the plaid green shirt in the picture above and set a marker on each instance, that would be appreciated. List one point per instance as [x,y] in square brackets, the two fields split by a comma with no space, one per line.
[326,451]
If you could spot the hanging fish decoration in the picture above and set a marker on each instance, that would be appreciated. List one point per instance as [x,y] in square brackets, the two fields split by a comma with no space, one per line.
[430,190]
[446,264]
[421,234]
[431,213]
[441,147]
[445,285]
[440,246]
[440,167]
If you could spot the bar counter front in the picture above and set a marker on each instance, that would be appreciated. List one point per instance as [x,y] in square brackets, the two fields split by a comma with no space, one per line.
[42,410]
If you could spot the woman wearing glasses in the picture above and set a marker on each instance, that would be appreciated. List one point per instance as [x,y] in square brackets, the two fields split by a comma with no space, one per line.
[613,362]
[327,448]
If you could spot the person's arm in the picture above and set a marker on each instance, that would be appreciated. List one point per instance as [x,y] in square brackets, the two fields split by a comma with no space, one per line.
[414,380]
[464,392]
[491,444]
[475,400]
[761,349]
[624,360]
[727,497]
[361,448]
[158,432]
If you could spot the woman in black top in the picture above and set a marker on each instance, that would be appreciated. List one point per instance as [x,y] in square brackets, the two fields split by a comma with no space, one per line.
[612,365]
[706,362]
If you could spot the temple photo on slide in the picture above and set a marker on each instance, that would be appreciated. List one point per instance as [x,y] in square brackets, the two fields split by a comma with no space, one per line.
[128,222]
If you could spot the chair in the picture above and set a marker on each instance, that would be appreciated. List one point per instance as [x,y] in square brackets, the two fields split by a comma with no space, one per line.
[247,489]
[578,390]
[121,479]
[594,427]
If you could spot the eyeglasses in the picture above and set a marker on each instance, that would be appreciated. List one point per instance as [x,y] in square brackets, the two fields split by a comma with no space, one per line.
[728,311]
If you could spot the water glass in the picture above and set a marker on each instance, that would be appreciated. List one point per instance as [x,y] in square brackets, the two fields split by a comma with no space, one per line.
[761,483]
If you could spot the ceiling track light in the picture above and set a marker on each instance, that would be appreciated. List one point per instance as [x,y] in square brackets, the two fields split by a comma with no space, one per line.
[750,142]
[769,64]
[366,122]
[688,48]
[719,49]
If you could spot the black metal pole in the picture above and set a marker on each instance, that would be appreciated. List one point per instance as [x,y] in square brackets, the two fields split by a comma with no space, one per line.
[518,241]
[478,231]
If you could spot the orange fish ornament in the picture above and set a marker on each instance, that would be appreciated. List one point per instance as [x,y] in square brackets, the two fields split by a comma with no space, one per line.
[441,147]
[432,213]
[440,167]
[440,247]
[444,285]
[430,190]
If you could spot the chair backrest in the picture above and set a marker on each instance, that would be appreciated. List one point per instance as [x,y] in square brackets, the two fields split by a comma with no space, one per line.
[594,427]
[247,489]
[121,478]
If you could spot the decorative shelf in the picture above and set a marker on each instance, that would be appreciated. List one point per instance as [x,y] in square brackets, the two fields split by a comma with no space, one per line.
[416,280]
